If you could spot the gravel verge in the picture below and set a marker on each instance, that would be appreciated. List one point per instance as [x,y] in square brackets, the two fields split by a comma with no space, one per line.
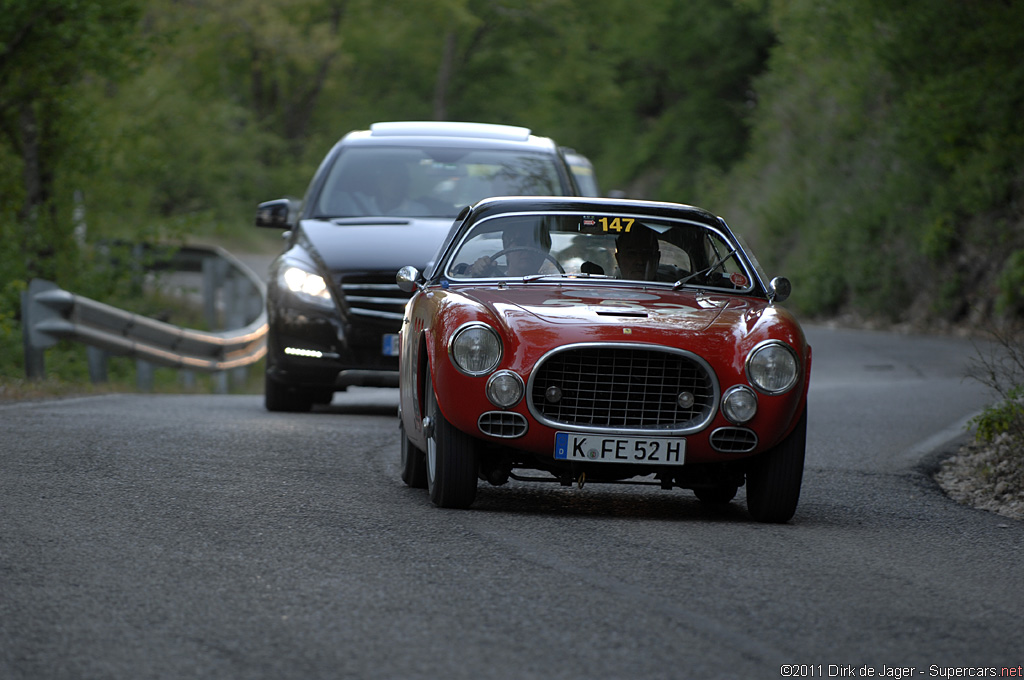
[987,476]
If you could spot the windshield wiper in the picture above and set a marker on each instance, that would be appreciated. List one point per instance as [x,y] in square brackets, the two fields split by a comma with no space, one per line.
[704,272]
[567,275]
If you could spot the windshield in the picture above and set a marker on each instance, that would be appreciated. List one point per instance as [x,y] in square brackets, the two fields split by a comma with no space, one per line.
[430,182]
[610,246]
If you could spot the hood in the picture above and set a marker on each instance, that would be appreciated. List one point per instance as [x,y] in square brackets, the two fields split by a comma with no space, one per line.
[375,243]
[607,312]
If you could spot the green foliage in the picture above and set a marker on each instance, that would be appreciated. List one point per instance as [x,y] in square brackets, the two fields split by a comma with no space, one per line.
[1010,299]
[1006,416]
[896,129]
[870,150]
[999,365]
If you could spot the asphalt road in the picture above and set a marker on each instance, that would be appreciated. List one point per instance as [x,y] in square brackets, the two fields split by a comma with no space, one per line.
[202,537]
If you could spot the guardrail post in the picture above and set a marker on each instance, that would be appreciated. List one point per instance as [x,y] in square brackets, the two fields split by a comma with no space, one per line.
[97,360]
[35,360]
[144,371]
[235,311]
[214,271]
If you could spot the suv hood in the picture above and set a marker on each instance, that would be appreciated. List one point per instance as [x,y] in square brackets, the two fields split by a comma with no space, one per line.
[375,243]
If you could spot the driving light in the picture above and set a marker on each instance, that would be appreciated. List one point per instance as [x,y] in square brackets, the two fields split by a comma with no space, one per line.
[505,389]
[475,349]
[739,404]
[306,286]
[772,367]
[299,352]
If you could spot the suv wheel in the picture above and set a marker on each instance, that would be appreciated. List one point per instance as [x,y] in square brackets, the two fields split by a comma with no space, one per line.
[280,397]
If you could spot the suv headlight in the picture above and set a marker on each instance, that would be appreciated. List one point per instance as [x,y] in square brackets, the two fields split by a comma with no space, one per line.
[475,349]
[772,367]
[306,286]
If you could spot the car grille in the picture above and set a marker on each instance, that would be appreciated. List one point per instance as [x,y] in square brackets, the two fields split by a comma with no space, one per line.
[374,295]
[623,387]
[733,440]
[504,424]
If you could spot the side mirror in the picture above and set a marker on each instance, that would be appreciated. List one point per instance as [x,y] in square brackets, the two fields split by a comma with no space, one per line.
[779,289]
[276,214]
[407,278]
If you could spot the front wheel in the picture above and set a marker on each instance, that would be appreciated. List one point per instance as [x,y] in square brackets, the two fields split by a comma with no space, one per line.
[774,477]
[280,397]
[451,458]
[414,463]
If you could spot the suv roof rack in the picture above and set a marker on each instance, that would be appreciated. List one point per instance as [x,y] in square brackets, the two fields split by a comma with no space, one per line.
[450,129]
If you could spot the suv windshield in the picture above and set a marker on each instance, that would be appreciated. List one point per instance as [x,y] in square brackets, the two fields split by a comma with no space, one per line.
[610,246]
[431,182]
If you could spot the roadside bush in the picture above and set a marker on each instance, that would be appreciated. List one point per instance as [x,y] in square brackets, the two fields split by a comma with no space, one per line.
[1000,366]
[1010,299]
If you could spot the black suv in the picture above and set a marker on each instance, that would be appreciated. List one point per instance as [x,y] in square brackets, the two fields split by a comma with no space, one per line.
[381,199]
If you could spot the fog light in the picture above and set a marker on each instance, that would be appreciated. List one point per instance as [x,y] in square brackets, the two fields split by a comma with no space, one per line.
[553,394]
[505,389]
[739,405]
[685,400]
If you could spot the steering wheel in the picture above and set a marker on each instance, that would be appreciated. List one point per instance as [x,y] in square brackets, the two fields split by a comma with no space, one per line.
[547,256]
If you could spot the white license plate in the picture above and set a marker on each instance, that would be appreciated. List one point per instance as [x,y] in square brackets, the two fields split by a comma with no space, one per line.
[589,448]
[389,345]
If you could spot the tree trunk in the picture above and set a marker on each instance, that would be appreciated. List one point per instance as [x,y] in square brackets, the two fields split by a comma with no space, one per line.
[444,77]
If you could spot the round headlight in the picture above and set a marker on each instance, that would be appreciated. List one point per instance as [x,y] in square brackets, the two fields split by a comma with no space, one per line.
[772,368]
[739,404]
[505,389]
[475,349]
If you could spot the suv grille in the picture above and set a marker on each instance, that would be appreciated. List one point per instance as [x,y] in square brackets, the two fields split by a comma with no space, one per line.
[624,387]
[374,295]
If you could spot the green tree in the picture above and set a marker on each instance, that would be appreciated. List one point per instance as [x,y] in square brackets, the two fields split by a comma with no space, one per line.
[49,51]
[885,168]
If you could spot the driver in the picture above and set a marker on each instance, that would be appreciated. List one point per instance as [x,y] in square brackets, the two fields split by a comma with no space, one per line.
[525,249]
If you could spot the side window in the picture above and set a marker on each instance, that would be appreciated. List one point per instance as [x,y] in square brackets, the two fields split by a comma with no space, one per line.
[675,257]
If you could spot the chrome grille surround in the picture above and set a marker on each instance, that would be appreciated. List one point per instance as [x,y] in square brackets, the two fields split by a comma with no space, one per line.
[374,295]
[733,440]
[503,424]
[623,388]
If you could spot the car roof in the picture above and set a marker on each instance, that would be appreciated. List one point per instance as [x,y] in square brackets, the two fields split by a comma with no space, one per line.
[503,204]
[440,133]
[578,204]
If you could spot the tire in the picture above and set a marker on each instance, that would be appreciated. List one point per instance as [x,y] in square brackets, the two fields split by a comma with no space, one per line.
[774,478]
[281,398]
[414,463]
[451,463]
[716,495]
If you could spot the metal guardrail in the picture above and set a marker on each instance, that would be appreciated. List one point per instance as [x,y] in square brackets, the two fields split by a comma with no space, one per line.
[50,314]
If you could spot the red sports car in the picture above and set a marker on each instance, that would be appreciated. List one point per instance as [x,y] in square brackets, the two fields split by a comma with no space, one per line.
[583,340]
